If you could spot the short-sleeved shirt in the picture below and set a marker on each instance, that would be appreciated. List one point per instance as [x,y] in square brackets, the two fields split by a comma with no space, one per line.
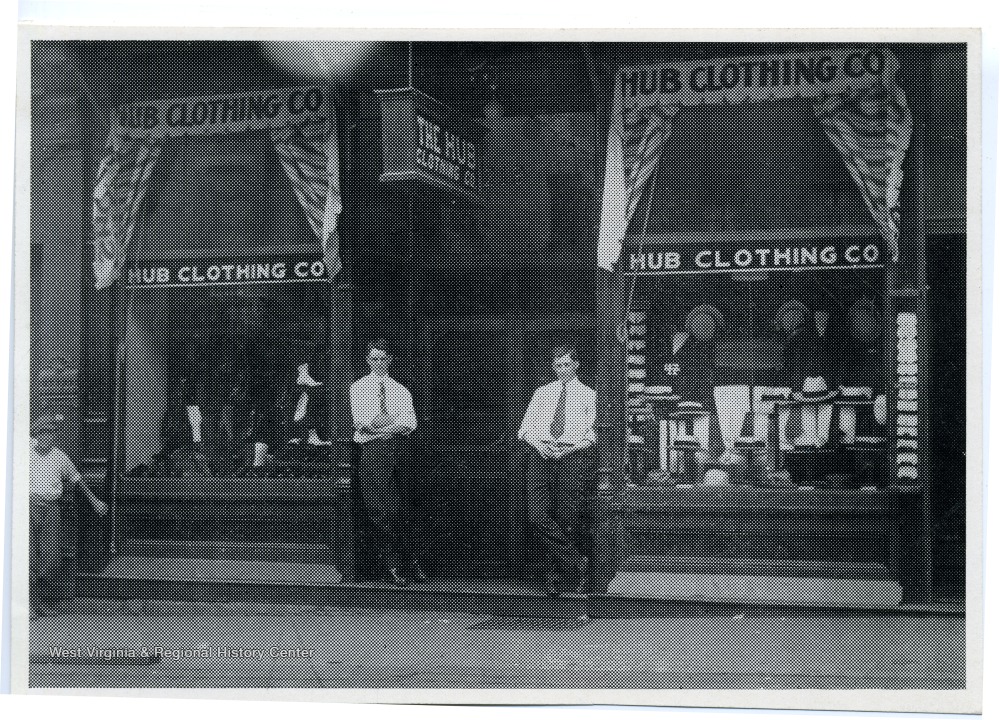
[366,402]
[50,473]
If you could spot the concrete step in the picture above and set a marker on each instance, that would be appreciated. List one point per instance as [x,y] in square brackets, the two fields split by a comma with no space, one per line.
[132,590]
[756,566]
[759,589]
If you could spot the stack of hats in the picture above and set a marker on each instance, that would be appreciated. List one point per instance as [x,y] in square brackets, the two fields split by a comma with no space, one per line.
[688,410]
[814,390]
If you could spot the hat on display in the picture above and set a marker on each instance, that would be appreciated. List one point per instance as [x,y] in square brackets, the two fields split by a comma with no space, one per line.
[796,306]
[780,478]
[46,424]
[814,389]
[689,408]
[710,310]
[686,443]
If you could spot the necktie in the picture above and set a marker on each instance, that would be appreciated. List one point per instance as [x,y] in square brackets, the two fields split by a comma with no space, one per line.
[558,426]
[381,399]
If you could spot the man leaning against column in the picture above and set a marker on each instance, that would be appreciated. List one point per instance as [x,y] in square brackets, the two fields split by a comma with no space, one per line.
[559,428]
[383,414]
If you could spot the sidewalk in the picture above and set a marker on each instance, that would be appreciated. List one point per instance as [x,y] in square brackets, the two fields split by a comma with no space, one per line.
[308,647]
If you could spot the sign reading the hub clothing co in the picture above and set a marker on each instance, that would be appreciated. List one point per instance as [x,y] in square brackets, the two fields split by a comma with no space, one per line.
[695,258]
[424,141]
[223,113]
[227,271]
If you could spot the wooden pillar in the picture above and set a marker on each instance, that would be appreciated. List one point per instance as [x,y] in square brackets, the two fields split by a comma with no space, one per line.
[906,299]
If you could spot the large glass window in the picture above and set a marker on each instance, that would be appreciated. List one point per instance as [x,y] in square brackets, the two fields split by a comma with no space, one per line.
[227,381]
[775,381]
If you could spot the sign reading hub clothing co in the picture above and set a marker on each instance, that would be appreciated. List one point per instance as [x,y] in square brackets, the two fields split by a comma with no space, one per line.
[728,258]
[227,271]
[223,113]
[424,141]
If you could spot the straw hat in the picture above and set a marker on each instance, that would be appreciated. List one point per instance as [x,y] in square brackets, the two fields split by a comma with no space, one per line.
[814,389]
[689,408]
[46,424]
[716,477]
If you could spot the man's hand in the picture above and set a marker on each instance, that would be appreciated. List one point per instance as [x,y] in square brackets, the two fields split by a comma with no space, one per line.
[100,507]
[561,451]
[380,421]
[544,449]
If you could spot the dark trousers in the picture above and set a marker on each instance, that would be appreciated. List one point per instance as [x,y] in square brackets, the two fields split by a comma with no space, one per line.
[44,546]
[557,495]
[382,469]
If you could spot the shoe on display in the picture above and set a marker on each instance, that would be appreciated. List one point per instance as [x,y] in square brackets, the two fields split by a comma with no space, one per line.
[304,378]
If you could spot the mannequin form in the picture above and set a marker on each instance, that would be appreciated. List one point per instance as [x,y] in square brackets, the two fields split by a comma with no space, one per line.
[306,415]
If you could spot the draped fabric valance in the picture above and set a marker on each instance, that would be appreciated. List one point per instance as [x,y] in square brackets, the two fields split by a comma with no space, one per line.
[855,98]
[302,128]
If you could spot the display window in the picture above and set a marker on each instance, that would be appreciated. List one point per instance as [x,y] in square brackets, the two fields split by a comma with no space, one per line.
[755,326]
[224,321]
[226,382]
[768,383]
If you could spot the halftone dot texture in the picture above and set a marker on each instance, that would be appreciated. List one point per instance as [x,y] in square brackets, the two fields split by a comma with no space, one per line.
[227,427]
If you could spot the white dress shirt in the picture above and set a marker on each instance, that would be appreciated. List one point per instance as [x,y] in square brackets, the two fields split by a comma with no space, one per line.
[581,412]
[365,394]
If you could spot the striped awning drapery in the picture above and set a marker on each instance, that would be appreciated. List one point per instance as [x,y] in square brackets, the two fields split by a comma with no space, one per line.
[866,118]
[309,156]
[308,153]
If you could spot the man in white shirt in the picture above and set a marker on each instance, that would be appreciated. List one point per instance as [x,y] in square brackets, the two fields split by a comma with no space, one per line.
[559,427]
[383,415]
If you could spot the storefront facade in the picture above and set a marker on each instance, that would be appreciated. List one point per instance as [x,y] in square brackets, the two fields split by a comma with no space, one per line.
[472,255]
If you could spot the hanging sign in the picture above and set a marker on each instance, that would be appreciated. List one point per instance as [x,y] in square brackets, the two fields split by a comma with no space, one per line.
[222,113]
[691,258]
[423,141]
[227,271]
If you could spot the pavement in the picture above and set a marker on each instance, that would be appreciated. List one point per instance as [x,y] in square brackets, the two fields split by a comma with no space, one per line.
[266,646]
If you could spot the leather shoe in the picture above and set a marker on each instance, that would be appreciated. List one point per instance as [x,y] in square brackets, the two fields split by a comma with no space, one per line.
[396,577]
